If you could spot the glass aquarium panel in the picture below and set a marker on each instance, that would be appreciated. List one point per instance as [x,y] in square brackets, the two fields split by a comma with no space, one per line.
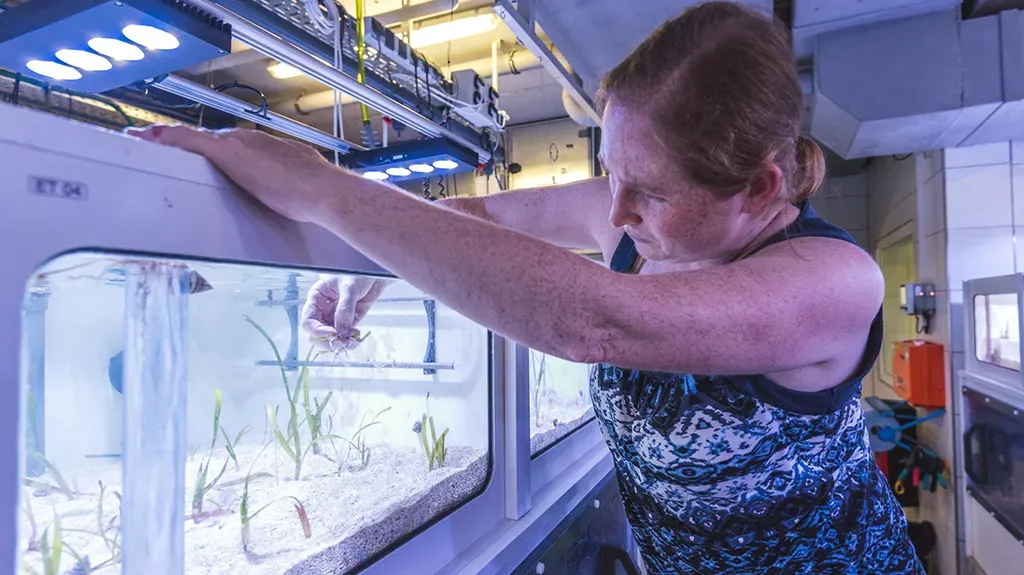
[297,461]
[559,399]
[997,329]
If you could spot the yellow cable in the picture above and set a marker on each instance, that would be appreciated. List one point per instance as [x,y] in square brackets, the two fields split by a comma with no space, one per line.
[361,51]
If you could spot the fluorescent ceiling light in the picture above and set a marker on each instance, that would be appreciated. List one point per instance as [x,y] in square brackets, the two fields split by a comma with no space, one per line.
[84,60]
[150,37]
[116,49]
[53,70]
[453,30]
[283,71]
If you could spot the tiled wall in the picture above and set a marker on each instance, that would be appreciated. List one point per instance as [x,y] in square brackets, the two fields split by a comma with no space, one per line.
[843,202]
[984,190]
[963,207]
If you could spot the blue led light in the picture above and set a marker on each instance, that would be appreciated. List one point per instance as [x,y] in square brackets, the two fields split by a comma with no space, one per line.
[140,39]
[413,160]
[150,37]
[84,60]
[116,49]
[446,164]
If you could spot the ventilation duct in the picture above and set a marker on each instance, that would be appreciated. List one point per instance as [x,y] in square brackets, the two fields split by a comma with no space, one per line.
[920,83]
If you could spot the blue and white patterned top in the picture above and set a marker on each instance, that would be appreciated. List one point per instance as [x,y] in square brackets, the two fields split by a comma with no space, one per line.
[738,475]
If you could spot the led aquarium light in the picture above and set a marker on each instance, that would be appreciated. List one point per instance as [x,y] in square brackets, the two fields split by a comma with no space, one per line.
[116,49]
[446,164]
[412,160]
[84,60]
[53,70]
[150,37]
[398,172]
[108,43]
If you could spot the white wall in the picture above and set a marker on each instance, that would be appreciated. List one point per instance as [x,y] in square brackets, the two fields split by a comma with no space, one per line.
[963,207]
[843,201]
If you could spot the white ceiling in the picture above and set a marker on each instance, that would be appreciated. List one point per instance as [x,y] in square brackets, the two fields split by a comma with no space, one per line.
[595,35]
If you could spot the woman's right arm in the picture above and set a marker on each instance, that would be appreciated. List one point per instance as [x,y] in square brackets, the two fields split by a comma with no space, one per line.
[573,216]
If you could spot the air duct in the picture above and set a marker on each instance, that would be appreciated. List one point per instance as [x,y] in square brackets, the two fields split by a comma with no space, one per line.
[920,83]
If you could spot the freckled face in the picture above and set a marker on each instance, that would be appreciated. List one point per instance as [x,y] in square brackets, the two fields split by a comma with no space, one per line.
[670,217]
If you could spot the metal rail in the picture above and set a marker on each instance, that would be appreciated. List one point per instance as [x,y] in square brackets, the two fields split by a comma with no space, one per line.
[327,74]
[523,29]
[198,93]
[301,301]
[373,364]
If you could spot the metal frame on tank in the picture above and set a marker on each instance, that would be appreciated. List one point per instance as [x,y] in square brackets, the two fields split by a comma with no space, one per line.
[978,526]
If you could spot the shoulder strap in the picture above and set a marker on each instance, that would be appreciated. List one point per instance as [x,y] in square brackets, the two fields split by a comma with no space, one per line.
[626,260]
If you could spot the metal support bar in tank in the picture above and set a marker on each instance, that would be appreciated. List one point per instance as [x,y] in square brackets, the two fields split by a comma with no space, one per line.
[291,292]
[373,364]
[292,301]
[34,318]
[155,393]
[430,355]
[299,302]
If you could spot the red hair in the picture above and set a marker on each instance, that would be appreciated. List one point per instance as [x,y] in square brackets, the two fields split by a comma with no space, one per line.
[721,82]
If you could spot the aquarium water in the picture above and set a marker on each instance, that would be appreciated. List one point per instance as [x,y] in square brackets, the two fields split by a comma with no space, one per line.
[253,452]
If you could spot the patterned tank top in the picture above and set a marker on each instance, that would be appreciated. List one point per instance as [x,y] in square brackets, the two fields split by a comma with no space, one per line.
[739,475]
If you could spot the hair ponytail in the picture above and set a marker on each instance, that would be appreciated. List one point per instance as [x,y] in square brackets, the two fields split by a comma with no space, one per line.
[810,172]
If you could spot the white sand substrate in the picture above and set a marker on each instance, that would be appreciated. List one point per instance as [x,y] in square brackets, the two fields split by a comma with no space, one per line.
[556,422]
[353,515]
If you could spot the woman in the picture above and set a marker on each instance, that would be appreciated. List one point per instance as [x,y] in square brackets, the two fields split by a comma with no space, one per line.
[718,265]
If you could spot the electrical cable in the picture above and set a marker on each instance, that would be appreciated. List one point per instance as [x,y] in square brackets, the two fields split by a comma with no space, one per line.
[19,79]
[512,62]
[262,111]
[331,24]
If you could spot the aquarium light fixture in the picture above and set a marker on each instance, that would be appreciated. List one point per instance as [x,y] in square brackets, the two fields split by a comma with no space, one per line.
[98,45]
[413,160]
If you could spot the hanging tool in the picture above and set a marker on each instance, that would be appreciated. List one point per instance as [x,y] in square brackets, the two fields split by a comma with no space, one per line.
[900,488]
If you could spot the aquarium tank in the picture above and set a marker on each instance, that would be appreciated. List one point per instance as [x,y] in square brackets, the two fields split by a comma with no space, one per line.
[559,399]
[297,461]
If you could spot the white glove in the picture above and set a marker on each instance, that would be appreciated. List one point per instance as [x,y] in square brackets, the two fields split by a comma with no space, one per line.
[334,307]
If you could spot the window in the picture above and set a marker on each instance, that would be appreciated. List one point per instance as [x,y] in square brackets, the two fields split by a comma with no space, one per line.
[897,263]
[291,457]
[997,331]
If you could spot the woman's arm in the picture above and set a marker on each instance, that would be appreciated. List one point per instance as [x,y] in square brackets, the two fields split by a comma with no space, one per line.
[802,303]
[778,311]
[573,215]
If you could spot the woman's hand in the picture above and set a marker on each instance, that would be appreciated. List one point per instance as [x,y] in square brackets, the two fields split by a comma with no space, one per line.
[285,175]
[334,307]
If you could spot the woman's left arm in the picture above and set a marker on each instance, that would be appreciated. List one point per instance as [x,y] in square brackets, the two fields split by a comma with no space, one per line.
[790,306]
